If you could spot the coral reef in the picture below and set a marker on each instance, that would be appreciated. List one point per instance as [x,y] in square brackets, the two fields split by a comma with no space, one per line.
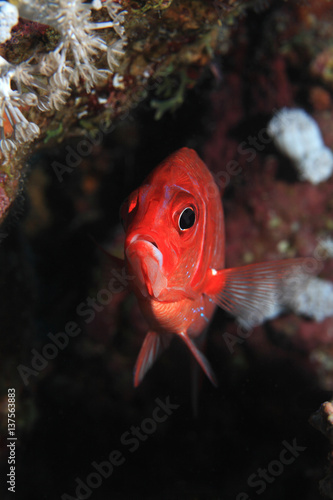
[37,82]
[265,205]
[72,68]
[214,78]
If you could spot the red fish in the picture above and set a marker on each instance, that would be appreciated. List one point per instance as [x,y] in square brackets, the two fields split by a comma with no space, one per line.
[175,249]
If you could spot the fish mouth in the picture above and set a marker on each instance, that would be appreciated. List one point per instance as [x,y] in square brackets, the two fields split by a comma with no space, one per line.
[146,261]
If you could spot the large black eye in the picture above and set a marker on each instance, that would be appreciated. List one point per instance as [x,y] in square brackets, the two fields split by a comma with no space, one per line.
[186,219]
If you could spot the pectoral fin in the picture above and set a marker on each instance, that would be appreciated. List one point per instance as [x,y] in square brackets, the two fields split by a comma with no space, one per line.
[153,345]
[256,292]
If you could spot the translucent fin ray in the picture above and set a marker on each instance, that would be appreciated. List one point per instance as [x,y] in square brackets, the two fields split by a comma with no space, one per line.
[153,345]
[199,356]
[255,292]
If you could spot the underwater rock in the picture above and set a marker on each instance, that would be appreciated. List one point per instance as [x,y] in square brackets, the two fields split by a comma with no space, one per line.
[74,68]
[322,420]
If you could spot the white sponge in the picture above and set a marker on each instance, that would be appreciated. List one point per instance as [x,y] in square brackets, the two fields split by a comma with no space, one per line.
[298,136]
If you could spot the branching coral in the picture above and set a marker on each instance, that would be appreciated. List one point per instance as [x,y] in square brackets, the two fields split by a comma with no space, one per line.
[79,44]
[46,81]
[10,103]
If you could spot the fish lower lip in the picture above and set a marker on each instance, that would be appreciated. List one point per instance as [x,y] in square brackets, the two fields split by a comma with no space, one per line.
[146,261]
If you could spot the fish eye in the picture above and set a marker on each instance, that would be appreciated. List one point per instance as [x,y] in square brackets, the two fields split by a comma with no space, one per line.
[186,219]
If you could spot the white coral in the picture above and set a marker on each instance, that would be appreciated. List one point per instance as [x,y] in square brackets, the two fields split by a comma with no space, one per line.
[315,300]
[317,166]
[79,46]
[10,103]
[298,136]
[47,83]
[8,19]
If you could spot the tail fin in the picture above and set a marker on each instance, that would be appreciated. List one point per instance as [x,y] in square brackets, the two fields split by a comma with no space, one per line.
[257,292]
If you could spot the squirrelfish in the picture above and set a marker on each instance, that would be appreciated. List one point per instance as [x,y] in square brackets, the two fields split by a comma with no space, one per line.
[175,249]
